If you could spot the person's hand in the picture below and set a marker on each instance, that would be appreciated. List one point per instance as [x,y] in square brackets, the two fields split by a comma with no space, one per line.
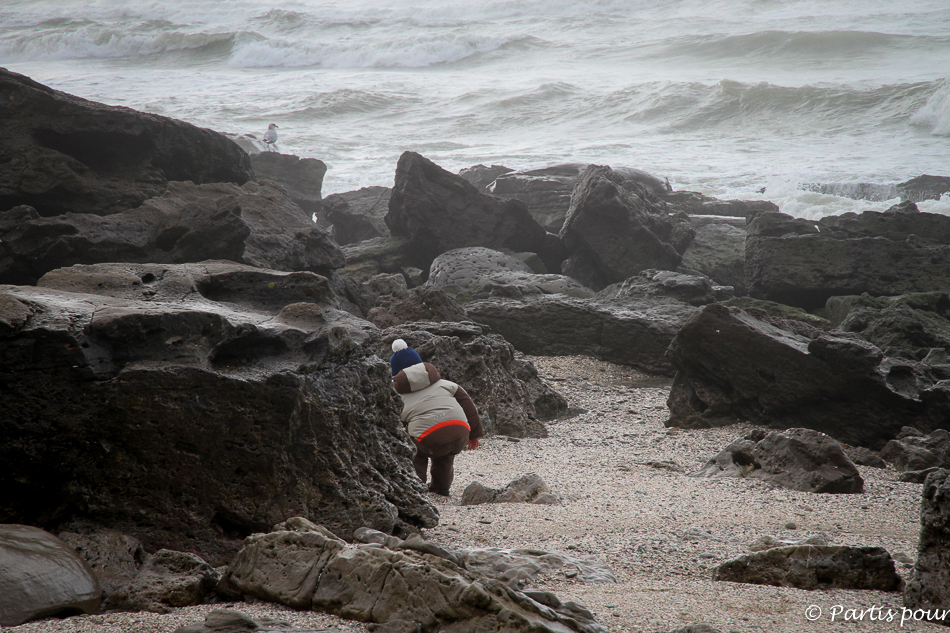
[473,444]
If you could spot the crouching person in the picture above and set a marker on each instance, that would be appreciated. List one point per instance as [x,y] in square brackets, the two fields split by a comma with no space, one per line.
[438,414]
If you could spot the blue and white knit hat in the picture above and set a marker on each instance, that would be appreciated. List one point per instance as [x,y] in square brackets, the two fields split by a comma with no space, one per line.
[403,357]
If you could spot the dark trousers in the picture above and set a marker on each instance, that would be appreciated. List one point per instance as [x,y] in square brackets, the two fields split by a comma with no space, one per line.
[442,455]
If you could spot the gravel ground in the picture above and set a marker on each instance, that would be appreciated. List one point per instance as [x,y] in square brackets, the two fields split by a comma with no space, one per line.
[628,500]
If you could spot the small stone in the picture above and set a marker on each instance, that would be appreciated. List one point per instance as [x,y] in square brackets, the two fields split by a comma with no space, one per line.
[791,525]
[484,521]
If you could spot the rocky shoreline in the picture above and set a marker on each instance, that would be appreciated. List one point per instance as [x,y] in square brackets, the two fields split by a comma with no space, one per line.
[727,406]
[629,502]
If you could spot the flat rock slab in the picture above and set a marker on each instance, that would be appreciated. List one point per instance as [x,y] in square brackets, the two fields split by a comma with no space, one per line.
[40,576]
[814,567]
[310,568]
[230,621]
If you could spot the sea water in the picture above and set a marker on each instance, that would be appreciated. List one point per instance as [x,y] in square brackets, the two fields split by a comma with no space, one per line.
[754,99]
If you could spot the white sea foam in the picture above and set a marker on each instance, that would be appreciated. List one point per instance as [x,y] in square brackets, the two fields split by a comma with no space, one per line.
[935,114]
[785,96]
[408,52]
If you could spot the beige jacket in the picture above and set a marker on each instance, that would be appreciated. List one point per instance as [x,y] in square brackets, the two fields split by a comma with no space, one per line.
[429,400]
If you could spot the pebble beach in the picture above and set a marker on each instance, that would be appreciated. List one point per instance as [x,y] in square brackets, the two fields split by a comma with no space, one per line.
[628,500]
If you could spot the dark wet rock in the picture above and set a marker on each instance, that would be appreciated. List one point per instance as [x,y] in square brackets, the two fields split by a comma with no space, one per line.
[814,567]
[664,285]
[805,262]
[778,312]
[547,191]
[474,273]
[908,326]
[742,366]
[924,188]
[800,459]
[438,211]
[838,308]
[301,178]
[929,583]
[528,488]
[919,452]
[864,457]
[554,325]
[41,577]
[613,233]
[312,569]
[632,325]
[718,251]
[916,476]
[63,154]
[510,397]
[230,621]
[419,304]
[167,579]
[482,176]
[108,367]
[114,558]
[254,224]
[465,267]
[693,203]
[379,255]
[358,215]
[365,295]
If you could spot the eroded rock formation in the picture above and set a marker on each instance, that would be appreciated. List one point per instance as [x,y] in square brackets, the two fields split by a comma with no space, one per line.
[63,154]
[191,405]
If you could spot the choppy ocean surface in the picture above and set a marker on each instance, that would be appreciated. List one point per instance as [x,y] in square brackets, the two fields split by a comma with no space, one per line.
[726,97]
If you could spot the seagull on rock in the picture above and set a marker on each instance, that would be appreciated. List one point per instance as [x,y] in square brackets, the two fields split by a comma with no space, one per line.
[270,136]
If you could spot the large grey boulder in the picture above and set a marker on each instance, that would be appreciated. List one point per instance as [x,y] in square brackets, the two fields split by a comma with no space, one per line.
[167,579]
[510,397]
[529,488]
[379,255]
[805,262]
[40,576]
[800,459]
[718,251]
[209,401]
[114,558]
[738,365]
[908,326]
[424,303]
[924,188]
[929,583]
[358,215]
[612,232]
[63,154]
[438,211]
[255,224]
[547,190]
[815,567]
[480,273]
[301,178]
[483,176]
[312,569]
[631,323]
[913,451]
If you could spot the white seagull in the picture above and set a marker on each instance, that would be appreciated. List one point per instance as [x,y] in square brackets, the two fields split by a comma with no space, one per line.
[270,136]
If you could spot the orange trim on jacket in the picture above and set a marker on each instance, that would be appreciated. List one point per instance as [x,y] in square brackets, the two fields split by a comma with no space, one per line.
[436,427]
